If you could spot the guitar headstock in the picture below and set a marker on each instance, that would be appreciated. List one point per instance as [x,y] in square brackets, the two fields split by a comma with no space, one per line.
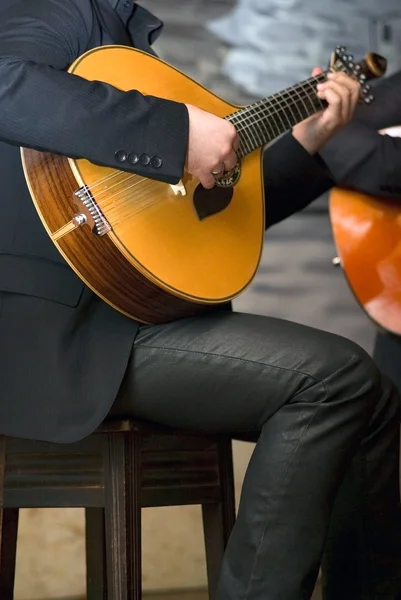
[370,67]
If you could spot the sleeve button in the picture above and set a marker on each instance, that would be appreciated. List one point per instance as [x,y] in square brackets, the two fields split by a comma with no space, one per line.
[121,155]
[144,159]
[133,158]
[156,162]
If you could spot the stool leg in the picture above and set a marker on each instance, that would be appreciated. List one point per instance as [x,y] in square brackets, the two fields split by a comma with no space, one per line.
[96,583]
[8,534]
[219,518]
[123,517]
[8,552]
[2,479]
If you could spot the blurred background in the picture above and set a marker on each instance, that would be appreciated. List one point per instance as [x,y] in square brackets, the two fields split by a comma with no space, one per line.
[242,50]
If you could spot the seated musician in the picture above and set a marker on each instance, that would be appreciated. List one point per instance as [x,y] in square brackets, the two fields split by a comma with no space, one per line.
[315,403]
[361,158]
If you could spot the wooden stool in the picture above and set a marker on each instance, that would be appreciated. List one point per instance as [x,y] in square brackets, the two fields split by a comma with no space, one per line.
[122,467]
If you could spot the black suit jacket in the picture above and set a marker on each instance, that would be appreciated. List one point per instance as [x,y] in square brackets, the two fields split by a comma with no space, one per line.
[365,160]
[360,157]
[63,351]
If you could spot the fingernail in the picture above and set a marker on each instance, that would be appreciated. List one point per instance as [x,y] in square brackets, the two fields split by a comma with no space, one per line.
[330,75]
[320,86]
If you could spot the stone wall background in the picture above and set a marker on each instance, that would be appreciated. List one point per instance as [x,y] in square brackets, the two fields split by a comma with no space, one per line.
[273,43]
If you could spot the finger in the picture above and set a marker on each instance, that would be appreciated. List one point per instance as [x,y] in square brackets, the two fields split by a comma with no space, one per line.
[316,71]
[342,93]
[351,84]
[334,100]
[346,80]
[207,180]
[230,161]
[218,168]
[236,143]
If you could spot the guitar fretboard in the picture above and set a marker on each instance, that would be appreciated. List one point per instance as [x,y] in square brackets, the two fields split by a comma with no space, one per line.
[261,122]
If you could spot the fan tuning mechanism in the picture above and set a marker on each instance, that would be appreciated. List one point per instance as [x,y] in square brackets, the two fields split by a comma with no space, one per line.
[371,67]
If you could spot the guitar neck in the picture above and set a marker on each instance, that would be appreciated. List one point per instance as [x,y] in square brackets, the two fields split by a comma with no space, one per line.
[265,120]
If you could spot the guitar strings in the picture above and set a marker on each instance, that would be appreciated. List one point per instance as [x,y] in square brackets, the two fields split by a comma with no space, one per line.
[138,206]
[142,199]
[145,202]
[126,207]
[277,101]
[242,119]
[134,210]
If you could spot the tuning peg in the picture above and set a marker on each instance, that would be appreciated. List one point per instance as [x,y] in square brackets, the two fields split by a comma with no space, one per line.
[362,78]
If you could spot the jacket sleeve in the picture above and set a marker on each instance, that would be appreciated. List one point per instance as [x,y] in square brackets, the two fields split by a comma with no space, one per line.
[360,157]
[293,179]
[44,107]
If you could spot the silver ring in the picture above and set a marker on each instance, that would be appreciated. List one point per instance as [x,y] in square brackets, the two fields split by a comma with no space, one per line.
[215,173]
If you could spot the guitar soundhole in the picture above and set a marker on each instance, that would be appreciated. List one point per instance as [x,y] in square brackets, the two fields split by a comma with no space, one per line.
[211,202]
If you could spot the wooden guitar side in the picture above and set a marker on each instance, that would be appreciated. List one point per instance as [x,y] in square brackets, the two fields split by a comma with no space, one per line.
[367,235]
[162,263]
[96,260]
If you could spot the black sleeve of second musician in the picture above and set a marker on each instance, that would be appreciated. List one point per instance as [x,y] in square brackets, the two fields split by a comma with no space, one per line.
[293,179]
[359,156]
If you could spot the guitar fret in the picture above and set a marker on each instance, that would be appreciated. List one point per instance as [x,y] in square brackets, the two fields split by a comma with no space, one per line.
[265,120]
[267,130]
[286,111]
[274,112]
[315,99]
[302,104]
[237,119]
[257,130]
[294,119]
[253,127]
[308,91]
[244,126]
[246,141]
[298,108]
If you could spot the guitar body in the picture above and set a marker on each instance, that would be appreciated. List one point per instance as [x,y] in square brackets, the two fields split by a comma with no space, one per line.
[163,258]
[367,235]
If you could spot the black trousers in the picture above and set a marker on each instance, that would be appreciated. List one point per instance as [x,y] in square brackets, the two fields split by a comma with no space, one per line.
[325,421]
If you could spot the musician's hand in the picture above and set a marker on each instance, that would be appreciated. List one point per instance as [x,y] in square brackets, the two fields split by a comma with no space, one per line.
[341,93]
[211,146]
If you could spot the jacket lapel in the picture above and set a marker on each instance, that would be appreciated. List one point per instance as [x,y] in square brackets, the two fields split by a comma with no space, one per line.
[143,27]
[111,22]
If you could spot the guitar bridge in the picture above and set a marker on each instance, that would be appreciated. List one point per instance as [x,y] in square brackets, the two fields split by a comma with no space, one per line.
[90,209]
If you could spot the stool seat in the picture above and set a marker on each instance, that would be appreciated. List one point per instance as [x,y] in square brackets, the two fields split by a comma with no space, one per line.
[122,467]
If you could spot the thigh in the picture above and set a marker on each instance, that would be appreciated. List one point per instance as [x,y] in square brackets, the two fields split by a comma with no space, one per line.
[227,371]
